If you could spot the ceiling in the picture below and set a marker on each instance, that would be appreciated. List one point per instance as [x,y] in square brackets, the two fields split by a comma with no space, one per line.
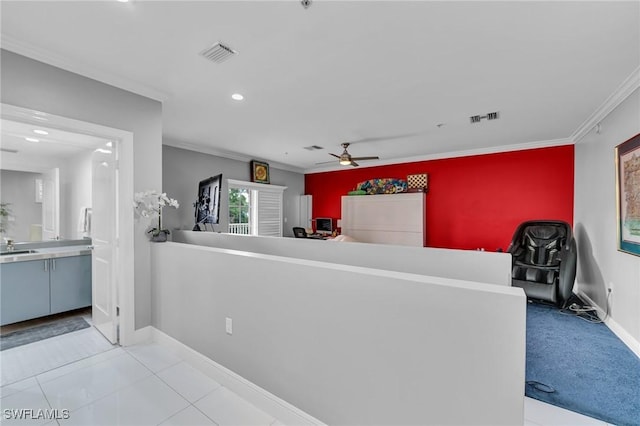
[397,79]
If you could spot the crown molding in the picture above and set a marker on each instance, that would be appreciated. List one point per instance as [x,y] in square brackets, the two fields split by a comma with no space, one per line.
[23,48]
[454,154]
[628,86]
[227,154]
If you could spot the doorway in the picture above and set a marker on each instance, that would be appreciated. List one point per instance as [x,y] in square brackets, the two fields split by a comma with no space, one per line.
[112,258]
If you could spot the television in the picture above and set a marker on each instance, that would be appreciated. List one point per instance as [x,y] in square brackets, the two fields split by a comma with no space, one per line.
[324,225]
[208,203]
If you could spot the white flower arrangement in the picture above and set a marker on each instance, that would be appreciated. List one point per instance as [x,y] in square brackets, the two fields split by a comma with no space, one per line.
[149,204]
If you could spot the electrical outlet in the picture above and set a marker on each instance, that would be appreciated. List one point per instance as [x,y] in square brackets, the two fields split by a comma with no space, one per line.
[228,326]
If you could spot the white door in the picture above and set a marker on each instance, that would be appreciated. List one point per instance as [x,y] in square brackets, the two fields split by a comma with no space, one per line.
[50,205]
[103,235]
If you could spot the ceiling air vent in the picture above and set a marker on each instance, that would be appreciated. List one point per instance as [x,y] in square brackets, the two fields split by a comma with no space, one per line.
[489,116]
[313,147]
[218,53]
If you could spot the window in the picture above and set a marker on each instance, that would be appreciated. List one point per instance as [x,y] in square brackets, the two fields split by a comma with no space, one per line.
[255,208]
[240,211]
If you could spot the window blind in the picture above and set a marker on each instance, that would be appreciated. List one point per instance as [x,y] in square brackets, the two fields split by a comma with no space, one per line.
[269,213]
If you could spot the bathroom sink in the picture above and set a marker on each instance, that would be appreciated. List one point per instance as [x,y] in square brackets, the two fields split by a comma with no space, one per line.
[13,252]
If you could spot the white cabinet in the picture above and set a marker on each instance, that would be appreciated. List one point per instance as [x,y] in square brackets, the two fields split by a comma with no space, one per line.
[385,219]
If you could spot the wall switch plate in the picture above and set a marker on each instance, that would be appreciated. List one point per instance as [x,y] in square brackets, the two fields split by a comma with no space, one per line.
[228,325]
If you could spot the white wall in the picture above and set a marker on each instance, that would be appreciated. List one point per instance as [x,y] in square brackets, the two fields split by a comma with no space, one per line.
[31,84]
[349,345]
[18,189]
[471,265]
[600,265]
[75,192]
[183,169]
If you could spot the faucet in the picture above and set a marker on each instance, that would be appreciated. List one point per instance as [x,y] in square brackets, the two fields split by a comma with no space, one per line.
[10,246]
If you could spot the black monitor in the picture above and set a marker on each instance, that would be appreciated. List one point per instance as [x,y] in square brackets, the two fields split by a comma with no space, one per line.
[208,204]
[324,225]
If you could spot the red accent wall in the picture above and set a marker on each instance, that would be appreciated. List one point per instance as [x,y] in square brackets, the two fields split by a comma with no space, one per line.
[475,201]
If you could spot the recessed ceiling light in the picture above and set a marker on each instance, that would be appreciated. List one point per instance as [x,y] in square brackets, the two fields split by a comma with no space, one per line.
[237,97]
[123,1]
[32,139]
[41,132]
[109,144]
[103,151]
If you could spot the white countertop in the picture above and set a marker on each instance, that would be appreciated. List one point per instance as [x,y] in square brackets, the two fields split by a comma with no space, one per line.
[47,253]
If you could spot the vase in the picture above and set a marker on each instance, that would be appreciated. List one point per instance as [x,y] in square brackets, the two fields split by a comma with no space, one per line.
[161,237]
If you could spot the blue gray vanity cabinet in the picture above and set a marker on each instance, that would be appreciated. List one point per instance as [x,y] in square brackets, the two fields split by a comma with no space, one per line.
[35,288]
[24,290]
[70,283]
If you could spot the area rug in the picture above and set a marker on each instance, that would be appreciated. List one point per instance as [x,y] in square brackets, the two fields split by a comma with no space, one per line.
[41,332]
[581,366]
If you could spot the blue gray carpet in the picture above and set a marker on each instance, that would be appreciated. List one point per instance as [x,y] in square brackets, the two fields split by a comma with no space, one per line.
[45,331]
[588,368]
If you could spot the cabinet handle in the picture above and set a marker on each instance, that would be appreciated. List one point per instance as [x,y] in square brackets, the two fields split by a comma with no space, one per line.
[46,265]
[53,264]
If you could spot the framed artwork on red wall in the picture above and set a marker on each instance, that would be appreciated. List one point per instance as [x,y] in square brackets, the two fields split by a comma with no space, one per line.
[628,195]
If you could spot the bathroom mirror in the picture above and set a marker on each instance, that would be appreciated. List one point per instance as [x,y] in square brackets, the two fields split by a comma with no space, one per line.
[46,179]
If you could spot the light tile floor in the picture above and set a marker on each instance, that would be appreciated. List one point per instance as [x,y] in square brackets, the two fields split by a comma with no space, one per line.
[146,384]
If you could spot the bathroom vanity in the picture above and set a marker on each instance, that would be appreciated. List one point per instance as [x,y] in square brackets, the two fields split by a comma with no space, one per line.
[39,279]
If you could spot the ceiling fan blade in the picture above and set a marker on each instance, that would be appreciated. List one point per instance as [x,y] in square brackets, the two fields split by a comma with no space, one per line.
[337,156]
[327,162]
[354,164]
[365,158]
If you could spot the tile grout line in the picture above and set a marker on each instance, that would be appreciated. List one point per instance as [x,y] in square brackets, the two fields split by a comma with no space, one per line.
[178,393]
[46,398]
[192,404]
[170,387]
[108,394]
[220,387]
[60,366]
[148,368]
[79,369]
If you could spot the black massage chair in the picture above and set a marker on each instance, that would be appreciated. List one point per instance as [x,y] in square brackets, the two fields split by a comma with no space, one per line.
[544,260]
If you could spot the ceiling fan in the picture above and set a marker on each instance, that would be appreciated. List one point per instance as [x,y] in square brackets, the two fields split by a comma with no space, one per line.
[346,159]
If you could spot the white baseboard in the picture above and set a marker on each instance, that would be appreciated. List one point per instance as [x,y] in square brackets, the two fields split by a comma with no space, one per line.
[616,328]
[266,401]
[138,336]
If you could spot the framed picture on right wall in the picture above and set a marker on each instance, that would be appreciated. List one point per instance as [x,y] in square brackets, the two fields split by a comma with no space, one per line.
[628,195]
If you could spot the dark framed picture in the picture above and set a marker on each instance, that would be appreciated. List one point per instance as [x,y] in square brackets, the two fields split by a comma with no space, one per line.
[208,204]
[628,195]
[259,172]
